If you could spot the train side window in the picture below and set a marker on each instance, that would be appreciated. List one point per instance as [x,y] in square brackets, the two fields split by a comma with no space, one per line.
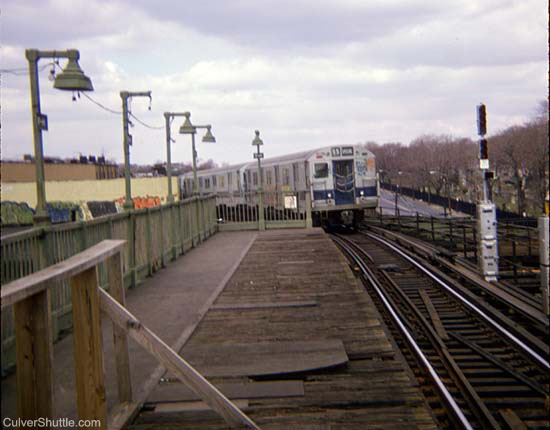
[268,177]
[229,179]
[207,183]
[295,173]
[286,176]
[214,181]
[254,178]
[222,182]
[200,182]
[321,170]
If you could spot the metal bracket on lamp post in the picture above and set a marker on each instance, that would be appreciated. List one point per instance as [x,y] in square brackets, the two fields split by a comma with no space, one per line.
[127,141]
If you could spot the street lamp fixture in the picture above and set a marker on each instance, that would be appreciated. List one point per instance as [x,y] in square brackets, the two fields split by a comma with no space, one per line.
[188,128]
[72,78]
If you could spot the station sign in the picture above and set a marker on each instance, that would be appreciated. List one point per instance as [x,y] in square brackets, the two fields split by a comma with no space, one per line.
[258,155]
[290,202]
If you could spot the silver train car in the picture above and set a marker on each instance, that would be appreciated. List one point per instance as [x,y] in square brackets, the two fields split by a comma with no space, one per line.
[342,182]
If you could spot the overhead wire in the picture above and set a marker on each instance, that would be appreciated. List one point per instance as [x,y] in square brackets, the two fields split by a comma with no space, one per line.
[161,127]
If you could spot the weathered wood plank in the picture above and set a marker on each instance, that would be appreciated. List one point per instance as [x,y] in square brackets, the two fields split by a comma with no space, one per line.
[434,316]
[88,347]
[174,392]
[513,421]
[122,359]
[34,351]
[173,362]
[192,406]
[39,281]
[235,306]
[266,358]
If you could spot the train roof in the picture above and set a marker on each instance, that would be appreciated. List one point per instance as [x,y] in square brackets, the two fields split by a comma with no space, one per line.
[296,156]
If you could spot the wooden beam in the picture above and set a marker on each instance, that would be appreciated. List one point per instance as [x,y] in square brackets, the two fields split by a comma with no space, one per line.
[434,316]
[122,358]
[34,350]
[88,348]
[36,282]
[236,306]
[177,392]
[512,420]
[173,362]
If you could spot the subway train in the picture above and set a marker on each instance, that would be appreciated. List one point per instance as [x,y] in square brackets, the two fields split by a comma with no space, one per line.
[341,181]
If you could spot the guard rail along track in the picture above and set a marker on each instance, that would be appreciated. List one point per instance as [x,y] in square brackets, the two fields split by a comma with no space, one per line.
[477,368]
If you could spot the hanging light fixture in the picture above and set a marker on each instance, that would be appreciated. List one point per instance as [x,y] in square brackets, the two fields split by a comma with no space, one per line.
[208,136]
[72,78]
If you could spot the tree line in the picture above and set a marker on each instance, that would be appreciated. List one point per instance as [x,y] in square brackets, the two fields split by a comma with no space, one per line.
[449,166]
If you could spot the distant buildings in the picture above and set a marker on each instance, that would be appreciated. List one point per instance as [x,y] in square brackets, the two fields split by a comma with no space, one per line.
[56,169]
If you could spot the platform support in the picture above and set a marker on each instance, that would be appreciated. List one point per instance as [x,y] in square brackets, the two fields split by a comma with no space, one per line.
[544,250]
[309,222]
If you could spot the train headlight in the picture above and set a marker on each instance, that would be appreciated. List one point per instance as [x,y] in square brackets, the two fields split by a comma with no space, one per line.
[361,193]
[329,195]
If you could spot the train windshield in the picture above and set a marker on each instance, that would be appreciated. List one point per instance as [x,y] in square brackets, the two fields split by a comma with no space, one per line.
[321,170]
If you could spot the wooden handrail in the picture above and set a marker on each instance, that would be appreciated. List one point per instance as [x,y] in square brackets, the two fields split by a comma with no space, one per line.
[30,297]
[173,362]
[23,288]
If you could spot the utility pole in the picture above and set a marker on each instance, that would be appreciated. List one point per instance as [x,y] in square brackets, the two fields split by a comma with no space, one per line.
[127,140]
[486,210]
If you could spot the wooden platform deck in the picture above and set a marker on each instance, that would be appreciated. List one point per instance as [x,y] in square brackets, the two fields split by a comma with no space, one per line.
[297,343]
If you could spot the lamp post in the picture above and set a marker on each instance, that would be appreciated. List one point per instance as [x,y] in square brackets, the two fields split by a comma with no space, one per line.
[127,141]
[72,78]
[189,128]
[257,142]
[168,116]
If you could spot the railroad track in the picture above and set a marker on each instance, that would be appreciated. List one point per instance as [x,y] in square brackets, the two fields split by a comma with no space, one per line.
[521,309]
[476,371]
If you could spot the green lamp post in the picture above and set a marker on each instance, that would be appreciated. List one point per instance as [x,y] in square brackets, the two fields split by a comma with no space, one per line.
[257,142]
[72,78]
[189,128]
[127,141]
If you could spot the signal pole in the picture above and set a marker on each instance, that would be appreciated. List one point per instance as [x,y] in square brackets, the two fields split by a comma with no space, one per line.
[486,210]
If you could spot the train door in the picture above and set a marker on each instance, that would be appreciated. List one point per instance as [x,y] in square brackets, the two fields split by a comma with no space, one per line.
[344,182]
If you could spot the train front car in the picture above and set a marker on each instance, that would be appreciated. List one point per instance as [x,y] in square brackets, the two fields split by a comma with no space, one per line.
[344,184]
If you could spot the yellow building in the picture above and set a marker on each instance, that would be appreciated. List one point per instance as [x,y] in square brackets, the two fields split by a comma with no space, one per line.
[88,190]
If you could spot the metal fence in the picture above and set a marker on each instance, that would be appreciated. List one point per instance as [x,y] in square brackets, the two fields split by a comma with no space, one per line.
[281,209]
[153,237]
[456,204]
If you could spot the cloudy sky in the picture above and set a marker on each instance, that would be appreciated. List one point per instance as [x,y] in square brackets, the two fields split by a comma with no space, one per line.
[306,73]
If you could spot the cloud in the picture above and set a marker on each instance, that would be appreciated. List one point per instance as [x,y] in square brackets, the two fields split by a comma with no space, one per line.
[306,73]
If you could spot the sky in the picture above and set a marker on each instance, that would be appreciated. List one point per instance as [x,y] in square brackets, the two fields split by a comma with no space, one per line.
[306,73]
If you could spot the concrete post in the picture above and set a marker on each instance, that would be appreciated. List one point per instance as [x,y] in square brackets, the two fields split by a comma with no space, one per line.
[170,197]
[128,204]
[41,216]
[544,255]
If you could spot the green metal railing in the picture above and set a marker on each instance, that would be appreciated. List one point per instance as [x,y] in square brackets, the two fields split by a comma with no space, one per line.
[281,209]
[153,236]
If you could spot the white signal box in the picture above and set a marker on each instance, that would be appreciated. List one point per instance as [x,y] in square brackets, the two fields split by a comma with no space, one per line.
[488,241]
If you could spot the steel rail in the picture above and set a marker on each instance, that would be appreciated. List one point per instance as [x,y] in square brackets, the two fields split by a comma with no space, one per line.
[503,331]
[444,392]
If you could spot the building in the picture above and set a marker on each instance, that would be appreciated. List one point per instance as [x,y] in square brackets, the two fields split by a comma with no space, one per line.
[85,168]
